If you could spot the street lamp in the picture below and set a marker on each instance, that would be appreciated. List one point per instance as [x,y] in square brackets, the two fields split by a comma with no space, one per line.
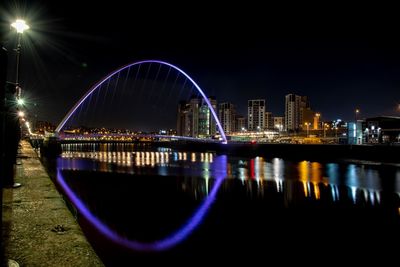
[308,127]
[326,126]
[20,102]
[20,26]
[316,121]
[356,112]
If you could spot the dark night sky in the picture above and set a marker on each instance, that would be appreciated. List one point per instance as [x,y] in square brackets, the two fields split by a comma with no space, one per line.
[341,61]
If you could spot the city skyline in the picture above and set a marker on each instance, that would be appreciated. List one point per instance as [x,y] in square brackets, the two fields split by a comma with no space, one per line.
[67,51]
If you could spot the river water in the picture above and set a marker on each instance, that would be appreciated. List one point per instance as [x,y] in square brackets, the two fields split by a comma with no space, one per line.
[152,205]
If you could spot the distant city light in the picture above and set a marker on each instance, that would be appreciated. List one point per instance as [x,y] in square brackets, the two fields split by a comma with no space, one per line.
[21,114]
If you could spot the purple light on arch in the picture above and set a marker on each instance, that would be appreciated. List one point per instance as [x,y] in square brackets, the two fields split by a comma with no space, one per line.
[159,245]
[98,84]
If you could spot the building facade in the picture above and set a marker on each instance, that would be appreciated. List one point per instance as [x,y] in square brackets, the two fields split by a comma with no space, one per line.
[279,123]
[269,121]
[227,116]
[256,115]
[295,109]
[305,112]
[317,125]
[184,123]
[383,129]
[195,119]
[307,117]
[241,124]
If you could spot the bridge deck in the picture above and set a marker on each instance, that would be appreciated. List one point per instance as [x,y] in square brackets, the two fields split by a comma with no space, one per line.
[38,228]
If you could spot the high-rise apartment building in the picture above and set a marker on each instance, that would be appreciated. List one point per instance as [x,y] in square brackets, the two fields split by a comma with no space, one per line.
[256,115]
[269,121]
[227,116]
[295,107]
[206,121]
[241,124]
[195,118]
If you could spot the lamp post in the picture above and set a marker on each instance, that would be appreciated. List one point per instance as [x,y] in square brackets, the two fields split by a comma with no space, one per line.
[20,26]
[317,117]
[325,128]
[308,127]
[20,102]
[356,114]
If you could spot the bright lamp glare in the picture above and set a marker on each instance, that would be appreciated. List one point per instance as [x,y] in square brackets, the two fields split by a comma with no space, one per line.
[21,114]
[20,25]
[20,102]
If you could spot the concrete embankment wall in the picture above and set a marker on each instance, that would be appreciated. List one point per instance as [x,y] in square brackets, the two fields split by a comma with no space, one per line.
[38,228]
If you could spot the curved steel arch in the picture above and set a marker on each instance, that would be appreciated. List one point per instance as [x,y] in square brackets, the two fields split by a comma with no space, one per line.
[97,85]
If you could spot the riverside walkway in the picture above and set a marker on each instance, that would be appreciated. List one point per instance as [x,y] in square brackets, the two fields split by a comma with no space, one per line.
[38,229]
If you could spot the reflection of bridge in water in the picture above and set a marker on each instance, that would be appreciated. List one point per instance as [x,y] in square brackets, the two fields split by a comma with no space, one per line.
[209,179]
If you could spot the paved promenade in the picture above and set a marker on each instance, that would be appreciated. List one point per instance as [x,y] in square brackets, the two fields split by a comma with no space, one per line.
[38,229]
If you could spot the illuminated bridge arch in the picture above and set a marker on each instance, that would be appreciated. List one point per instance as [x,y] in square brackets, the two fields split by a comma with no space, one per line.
[103,80]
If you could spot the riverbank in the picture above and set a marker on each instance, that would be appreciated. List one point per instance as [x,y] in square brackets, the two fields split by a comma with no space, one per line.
[38,229]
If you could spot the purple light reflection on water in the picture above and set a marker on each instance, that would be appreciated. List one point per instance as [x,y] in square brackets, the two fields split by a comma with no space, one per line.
[159,245]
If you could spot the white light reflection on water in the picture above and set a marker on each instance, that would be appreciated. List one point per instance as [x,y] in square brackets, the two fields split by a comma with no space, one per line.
[364,183]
